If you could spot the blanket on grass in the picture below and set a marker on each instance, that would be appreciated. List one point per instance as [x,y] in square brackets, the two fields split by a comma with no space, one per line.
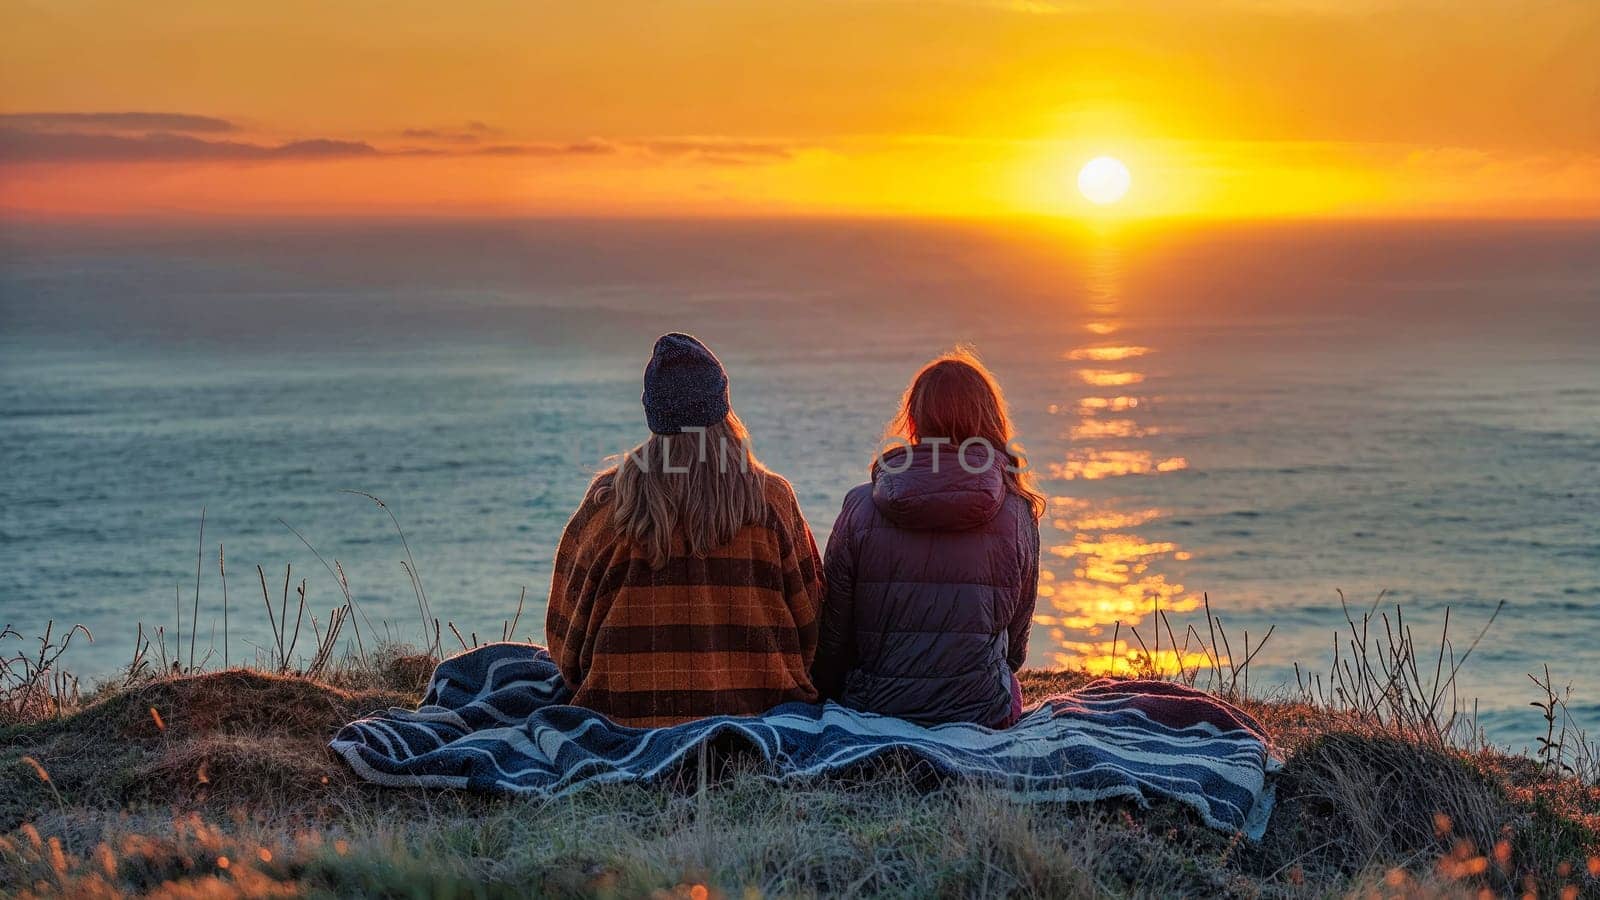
[494,719]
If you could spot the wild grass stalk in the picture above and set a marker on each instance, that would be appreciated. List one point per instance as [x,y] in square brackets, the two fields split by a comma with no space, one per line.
[284,641]
[267,601]
[222,571]
[283,617]
[327,643]
[138,663]
[177,637]
[508,629]
[199,557]
[161,646]
[424,608]
[422,605]
[299,614]
[337,571]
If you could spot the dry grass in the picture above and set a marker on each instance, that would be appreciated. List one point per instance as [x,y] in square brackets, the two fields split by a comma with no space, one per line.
[33,685]
[174,781]
[745,839]
[234,763]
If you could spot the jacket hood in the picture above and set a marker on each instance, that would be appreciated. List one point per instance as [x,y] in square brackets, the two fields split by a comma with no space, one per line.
[927,488]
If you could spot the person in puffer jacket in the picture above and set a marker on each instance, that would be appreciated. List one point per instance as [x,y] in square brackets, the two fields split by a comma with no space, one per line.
[932,569]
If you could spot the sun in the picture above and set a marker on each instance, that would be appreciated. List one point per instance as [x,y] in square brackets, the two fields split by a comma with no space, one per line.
[1104,180]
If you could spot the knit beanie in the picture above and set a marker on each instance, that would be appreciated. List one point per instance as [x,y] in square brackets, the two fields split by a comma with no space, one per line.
[685,385]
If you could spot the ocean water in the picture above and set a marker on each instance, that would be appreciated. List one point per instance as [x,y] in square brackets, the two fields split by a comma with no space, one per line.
[1267,414]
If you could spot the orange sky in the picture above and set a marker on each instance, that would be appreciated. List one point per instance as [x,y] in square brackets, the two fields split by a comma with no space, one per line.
[1231,109]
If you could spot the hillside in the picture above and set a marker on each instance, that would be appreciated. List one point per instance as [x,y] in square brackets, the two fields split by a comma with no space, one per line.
[220,784]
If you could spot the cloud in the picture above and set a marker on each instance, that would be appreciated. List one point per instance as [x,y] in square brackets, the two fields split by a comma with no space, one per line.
[472,132]
[434,134]
[469,133]
[572,148]
[19,145]
[27,146]
[116,121]
[720,150]
[65,138]
[708,150]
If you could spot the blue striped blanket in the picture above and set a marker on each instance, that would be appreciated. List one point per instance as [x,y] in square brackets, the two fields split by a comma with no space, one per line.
[494,719]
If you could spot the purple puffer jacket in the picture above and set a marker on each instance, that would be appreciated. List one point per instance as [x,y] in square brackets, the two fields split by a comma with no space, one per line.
[932,573]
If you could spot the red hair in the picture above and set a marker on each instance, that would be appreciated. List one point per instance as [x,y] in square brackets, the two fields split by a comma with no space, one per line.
[955,397]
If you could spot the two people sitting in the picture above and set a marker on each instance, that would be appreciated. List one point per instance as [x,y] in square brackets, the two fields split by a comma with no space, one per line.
[688,584]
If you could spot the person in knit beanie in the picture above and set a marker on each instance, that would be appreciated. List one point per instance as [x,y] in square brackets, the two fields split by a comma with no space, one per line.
[688,583]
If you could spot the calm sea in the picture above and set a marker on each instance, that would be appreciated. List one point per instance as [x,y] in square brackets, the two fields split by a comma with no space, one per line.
[1268,414]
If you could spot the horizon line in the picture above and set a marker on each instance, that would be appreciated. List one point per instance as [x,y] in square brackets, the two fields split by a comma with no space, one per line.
[14,217]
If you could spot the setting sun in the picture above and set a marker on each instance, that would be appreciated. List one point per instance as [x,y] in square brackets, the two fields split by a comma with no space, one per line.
[1104,180]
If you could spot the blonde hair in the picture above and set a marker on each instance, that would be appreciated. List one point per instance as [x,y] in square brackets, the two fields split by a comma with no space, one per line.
[694,490]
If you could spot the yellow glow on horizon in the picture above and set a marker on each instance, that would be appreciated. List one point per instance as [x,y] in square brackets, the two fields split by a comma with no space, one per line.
[1164,111]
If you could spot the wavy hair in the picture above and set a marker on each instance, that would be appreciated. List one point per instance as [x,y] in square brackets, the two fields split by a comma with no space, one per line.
[692,491]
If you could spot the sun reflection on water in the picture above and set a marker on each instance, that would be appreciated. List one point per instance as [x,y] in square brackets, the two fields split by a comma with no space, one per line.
[1116,404]
[1094,429]
[1101,581]
[1093,464]
[1106,354]
[1109,377]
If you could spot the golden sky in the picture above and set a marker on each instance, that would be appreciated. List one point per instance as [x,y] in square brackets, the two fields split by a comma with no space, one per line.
[1229,109]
